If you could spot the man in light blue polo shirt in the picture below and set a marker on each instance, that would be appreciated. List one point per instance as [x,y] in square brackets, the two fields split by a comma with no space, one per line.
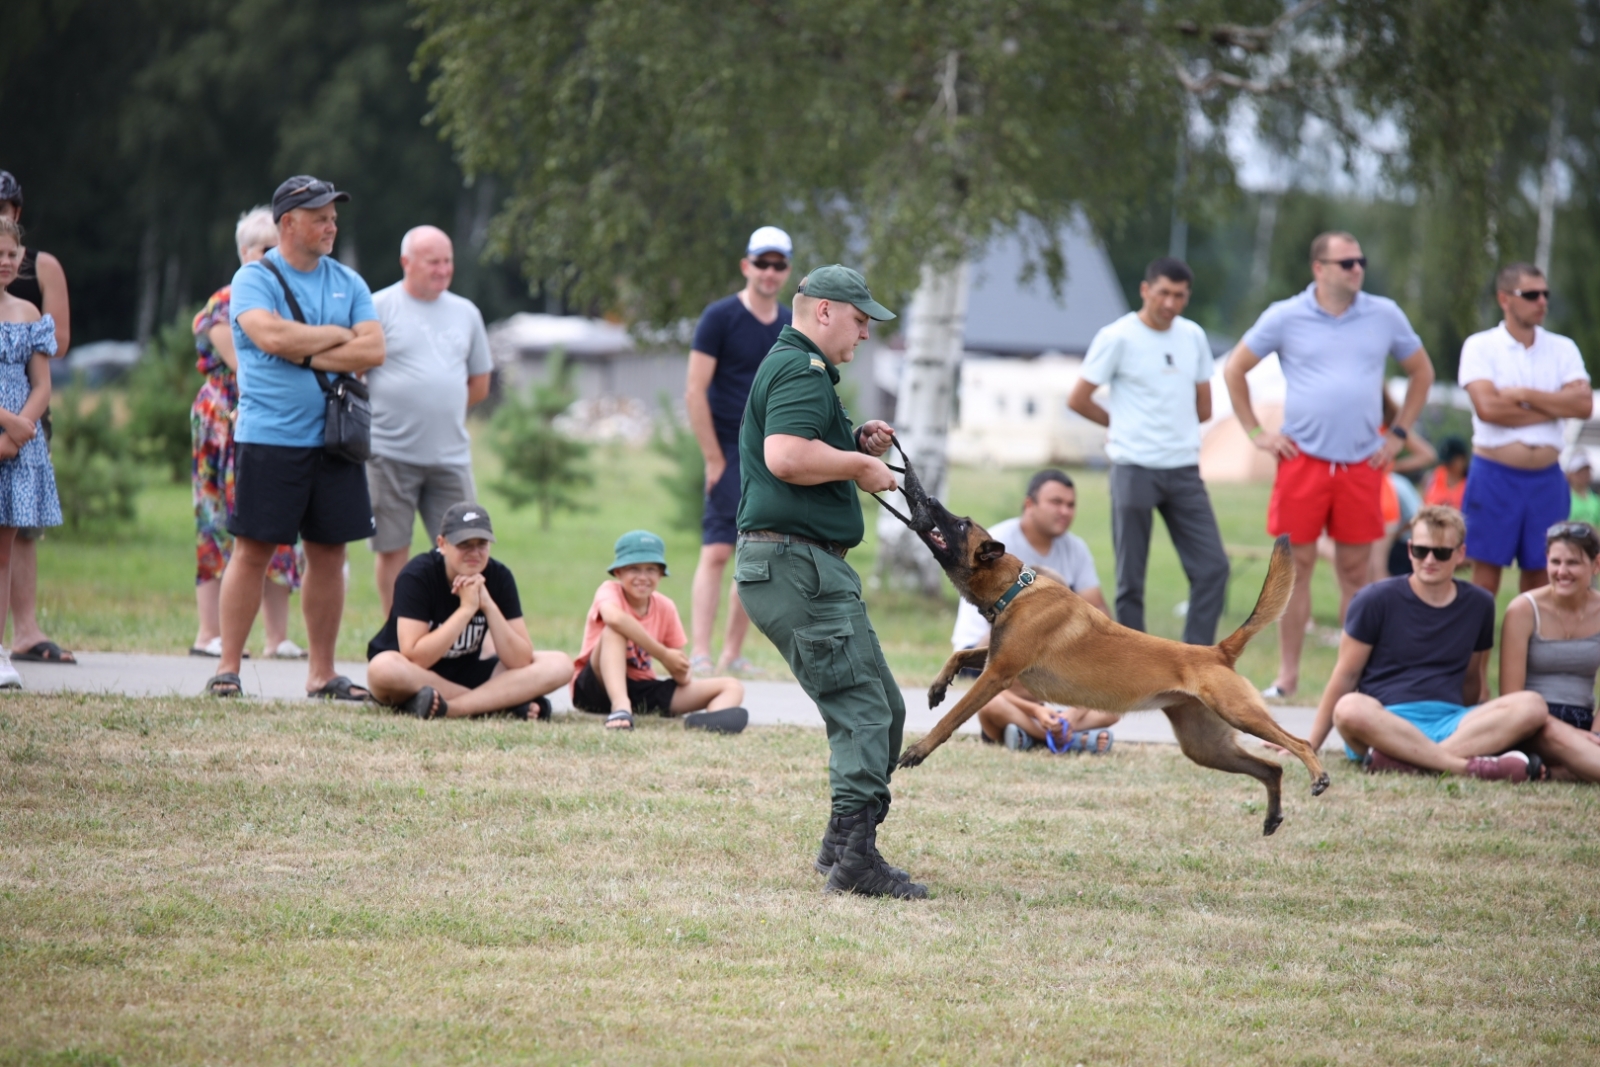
[286,486]
[1333,452]
[1158,365]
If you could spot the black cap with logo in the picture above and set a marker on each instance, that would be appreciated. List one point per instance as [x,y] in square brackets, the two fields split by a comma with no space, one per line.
[466,521]
[303,191]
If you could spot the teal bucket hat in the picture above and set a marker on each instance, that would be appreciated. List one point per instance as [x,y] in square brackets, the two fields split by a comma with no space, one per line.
[639,546]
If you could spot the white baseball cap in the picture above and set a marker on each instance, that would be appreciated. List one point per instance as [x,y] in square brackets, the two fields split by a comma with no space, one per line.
[770,239]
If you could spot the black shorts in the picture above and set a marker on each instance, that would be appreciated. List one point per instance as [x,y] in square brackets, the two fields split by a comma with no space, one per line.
[720,523]
[283,494]
[468,671]
[589,694]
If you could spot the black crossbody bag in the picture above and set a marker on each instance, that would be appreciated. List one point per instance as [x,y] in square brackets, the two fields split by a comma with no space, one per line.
[347,433]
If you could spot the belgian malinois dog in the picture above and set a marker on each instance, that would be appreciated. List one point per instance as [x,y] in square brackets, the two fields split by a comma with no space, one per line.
[1052,641]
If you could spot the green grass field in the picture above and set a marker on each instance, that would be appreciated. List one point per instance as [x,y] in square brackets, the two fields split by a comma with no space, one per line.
[136,594]
[188,882]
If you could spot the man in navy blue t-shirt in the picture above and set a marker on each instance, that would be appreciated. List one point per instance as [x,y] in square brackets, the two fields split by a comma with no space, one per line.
[1410,690]
[733,337]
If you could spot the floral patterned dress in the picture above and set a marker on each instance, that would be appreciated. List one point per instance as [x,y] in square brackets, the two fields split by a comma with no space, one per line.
[27,480]
[211,431]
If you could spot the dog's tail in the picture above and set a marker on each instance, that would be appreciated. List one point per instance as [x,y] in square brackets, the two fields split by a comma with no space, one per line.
[1269,606]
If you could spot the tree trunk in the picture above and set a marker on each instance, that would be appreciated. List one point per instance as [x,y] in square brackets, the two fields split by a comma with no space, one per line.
[1547,187]
[923,410]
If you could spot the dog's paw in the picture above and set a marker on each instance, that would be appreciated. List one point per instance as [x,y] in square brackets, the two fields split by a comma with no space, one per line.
[936,694]
[1271,823]
[912,756]
[1320,786]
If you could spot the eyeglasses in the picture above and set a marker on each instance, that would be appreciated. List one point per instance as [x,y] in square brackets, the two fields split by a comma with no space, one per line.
[1532,296]
[770,264]
[1570,529]
[1439,552]
[1348,264]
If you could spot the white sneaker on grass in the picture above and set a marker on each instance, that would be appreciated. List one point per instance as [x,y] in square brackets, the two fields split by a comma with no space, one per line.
[9,678]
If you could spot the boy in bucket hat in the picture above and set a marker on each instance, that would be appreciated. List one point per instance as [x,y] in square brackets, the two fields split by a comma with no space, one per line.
[629,625]
[455,643]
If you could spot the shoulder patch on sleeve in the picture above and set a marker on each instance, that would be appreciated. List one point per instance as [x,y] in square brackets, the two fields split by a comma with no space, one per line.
[819,365]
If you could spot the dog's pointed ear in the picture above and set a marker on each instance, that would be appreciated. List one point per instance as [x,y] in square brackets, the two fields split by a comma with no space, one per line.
[990,551]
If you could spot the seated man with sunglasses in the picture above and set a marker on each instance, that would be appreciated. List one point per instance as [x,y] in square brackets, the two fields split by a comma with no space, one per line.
[1410,690]
[1523,380]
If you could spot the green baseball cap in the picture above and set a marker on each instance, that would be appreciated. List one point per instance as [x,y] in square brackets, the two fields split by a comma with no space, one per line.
[836,282]
[639,546]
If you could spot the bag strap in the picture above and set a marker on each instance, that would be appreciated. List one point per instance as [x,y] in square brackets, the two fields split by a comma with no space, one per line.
[299,316]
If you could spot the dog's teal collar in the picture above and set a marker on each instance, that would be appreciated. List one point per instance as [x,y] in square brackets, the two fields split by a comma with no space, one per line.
[1024,580]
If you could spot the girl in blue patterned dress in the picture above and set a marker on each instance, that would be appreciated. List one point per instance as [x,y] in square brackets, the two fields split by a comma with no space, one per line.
[27,481]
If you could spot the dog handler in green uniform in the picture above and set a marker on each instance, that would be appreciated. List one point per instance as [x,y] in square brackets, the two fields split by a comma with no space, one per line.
[800,464]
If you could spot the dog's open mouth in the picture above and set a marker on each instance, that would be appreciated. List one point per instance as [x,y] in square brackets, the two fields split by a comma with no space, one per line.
[937,540]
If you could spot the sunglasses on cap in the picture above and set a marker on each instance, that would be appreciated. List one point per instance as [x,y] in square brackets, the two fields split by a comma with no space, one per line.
[1438,552]
[1347,264]
[1532,296]
[770,264]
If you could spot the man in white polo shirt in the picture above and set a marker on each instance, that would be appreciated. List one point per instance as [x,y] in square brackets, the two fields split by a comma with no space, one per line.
[1158,365]
[1522,379]
[1332,341]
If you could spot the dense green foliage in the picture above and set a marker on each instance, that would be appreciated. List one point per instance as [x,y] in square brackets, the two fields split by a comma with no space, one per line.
[97,476]
[540,464]
[160,391]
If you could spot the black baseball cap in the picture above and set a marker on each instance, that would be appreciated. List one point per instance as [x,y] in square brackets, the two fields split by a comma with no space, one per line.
[10,188]
[464,522]
[303,191]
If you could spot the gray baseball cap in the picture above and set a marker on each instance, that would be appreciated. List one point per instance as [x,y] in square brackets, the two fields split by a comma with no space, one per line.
[464,522]
[836,282]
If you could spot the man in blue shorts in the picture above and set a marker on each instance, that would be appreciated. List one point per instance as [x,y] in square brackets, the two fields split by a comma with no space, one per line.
[733,337]
[1523,380]
[1409,692]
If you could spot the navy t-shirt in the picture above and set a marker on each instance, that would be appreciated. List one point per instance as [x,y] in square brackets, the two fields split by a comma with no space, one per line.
[738,341]
[1419,652]
[422,591]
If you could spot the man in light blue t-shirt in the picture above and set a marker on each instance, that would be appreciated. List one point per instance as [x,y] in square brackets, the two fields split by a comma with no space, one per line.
[1333,342]
[286,487]
[1158,365]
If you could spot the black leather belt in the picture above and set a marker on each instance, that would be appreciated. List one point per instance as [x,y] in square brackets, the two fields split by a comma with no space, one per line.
[833,548]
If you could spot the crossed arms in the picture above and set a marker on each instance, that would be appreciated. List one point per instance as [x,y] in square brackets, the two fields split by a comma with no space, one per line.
[337,349]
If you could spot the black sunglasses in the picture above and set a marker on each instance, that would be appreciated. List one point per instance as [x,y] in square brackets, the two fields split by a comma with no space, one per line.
[770,264]
[1348,264]
[1532,296]
[1439,552]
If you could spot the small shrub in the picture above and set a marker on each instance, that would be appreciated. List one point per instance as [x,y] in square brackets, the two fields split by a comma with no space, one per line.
[540,465]
[686,481]
[96,476]
[160,390]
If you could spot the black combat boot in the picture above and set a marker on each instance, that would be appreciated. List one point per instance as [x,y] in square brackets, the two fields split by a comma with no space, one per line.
[858,867]
[833,841]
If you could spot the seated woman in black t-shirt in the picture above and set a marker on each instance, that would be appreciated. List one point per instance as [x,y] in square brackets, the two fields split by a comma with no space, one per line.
[455,643]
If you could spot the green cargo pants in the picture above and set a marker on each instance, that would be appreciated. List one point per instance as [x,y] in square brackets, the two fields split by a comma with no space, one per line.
[808,603]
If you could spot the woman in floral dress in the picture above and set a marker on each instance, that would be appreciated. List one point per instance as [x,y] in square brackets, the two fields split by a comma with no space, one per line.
[27,481]
[211,424]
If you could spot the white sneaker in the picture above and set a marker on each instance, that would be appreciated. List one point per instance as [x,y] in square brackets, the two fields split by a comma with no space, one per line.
[287,649]
[9,678]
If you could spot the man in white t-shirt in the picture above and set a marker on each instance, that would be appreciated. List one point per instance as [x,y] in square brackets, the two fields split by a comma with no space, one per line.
[1040,538]
[1522,379]
[1158,365]
[438,367]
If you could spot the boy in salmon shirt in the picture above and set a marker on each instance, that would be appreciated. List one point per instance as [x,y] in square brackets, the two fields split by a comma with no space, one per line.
[628,624]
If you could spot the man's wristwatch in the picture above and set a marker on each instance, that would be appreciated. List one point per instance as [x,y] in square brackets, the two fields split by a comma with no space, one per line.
[1398,431]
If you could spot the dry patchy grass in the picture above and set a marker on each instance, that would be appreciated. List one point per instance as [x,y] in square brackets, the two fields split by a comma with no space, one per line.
[187,881]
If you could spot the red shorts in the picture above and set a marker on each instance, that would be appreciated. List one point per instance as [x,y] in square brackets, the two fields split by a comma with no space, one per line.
[1312,494]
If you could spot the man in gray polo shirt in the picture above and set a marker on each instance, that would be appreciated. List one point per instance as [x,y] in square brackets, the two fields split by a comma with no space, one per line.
[438,367]
[1333,454]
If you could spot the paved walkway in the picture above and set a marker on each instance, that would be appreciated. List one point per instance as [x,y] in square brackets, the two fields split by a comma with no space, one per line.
[770,703]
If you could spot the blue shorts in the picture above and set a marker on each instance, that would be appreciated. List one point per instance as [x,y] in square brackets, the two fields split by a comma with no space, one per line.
[1436,719]
[720,525]
[1508,511]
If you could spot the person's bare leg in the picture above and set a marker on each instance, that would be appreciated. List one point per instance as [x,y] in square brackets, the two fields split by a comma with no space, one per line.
[208,606]
[322,603]
[8,556]
[275,613]
[25,594]
[1091,719]
[1573,754]
[1378,565]
[610,662]
[1531,580]
[1008,709]
[241,598]
[1292,628]
[703,597]
[1497,725]
[507,688]
[1489,728]
[1352,566]
[386,568]
[1486,576]
[738,628]
[711,694]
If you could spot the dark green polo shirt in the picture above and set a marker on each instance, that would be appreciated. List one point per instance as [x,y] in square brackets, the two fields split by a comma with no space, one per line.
[793,394]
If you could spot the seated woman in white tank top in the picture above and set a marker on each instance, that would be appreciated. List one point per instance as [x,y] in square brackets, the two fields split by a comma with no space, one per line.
[1550,642]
